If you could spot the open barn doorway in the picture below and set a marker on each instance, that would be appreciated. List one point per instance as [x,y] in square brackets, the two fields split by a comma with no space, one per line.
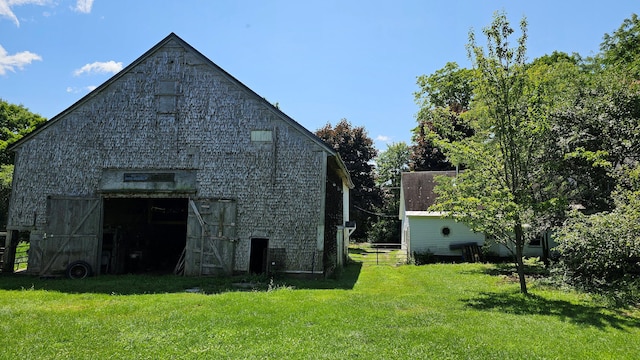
[143,235]
[258,256]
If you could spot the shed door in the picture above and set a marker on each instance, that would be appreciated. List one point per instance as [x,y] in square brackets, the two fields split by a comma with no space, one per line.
[211,237]
[72,233]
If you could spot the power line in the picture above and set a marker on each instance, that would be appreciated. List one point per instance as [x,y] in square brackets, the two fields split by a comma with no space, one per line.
[376,214]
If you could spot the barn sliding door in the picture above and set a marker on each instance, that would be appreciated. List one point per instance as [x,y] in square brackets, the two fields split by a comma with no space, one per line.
[211,237]
[72,233]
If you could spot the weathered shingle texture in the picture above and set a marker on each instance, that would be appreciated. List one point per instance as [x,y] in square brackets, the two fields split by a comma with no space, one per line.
[174,109]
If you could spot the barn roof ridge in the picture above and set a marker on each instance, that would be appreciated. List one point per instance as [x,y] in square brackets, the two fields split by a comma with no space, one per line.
[148,53]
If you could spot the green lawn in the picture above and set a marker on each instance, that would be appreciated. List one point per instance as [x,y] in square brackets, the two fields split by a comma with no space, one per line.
[21,256]
[442,311]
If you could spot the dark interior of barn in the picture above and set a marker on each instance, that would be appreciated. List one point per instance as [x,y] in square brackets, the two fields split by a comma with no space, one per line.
[143,235]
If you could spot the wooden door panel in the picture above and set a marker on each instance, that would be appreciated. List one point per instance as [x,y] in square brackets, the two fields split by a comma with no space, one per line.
[211,237]
[72,233]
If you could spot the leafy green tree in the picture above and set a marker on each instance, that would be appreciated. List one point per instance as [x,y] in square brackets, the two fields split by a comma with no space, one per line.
[622,48]
[506,189]
[443,97]
[599,132]
[15,122]
[357,151]
[600,126]
[391,163]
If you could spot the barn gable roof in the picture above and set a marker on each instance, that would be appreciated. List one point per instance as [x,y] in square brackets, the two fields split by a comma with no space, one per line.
[172,37]
[416,192]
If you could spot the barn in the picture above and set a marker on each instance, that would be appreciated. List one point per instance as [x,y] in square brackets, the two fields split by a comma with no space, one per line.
[175,166]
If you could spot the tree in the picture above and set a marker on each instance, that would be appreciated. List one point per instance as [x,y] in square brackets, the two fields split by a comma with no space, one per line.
[505,190]
[599,131]
[622,48]
[15,122]
[391,163]
[443,97]
[357,151]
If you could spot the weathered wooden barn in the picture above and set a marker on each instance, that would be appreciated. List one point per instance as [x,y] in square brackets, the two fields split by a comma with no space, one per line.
[173,165]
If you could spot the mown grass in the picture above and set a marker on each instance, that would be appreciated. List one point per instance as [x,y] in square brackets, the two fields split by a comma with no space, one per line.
[440,311]
[369,254]
[21,256]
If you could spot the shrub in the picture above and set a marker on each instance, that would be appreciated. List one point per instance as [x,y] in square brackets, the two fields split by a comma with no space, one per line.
[601,253]
[423,257]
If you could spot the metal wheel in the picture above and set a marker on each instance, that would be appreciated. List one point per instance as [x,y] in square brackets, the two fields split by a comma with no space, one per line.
[78,270]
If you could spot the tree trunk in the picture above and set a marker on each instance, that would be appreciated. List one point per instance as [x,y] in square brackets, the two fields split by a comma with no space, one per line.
[519,263]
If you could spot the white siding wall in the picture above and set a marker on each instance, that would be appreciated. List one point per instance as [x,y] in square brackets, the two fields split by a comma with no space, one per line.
[528,251]
[425,233]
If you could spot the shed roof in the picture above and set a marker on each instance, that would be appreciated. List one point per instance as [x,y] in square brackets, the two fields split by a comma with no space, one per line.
[173,37]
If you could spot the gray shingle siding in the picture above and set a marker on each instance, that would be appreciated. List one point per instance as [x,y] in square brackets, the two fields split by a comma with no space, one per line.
[173,110]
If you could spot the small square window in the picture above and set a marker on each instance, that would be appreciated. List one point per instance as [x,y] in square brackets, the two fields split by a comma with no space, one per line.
[537,241]
[261,136]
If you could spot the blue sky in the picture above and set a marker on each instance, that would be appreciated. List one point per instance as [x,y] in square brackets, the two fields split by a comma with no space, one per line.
[320,60]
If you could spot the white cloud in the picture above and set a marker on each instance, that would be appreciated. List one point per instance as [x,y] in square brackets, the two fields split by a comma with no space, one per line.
[18,60]
[383,138]
[84,6]
[84,89]
[6,5]
[99,68]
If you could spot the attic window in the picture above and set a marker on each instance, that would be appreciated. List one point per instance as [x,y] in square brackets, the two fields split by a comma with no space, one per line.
[167,87]
[261,136]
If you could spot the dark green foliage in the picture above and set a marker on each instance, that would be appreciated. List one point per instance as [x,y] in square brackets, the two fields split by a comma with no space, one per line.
[443,97]
[556,57]
[357,150]
[597,133]
[423,258]
[601,252]
[391,163]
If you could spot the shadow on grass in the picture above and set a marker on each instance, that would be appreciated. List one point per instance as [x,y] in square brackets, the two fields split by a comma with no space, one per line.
[346,280]
[159,284]
[519,304]
[359,251]
[509,269]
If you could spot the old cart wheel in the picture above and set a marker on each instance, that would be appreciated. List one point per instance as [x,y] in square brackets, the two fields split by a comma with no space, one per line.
[78,270]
